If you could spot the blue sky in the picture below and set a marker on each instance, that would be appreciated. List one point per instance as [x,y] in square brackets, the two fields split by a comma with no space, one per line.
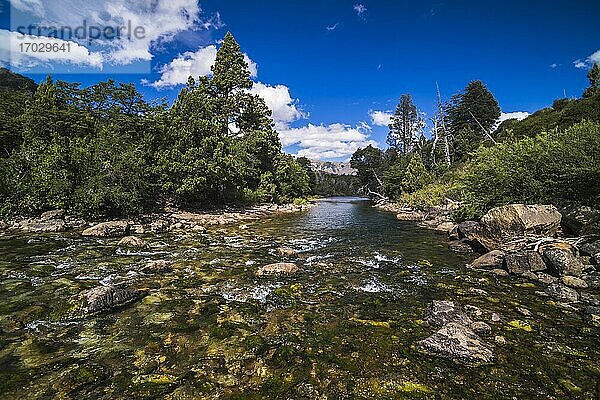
[325,67]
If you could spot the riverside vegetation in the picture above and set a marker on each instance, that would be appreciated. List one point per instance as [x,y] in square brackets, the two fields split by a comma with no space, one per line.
[333,299]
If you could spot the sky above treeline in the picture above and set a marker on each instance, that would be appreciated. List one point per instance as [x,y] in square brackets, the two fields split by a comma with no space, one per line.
[331,71]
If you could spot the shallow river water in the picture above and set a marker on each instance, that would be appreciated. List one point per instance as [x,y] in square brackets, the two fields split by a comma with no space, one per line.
[345,327]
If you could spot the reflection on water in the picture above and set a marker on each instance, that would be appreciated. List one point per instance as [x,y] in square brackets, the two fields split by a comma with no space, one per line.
[344,327]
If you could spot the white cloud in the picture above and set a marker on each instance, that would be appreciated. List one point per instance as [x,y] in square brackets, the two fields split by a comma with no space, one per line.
[280,102]
[323,142]
[332,27]
[12,54]
[518,115]
[193,64]
[360,9]
[161,20]
[588,62]
[555,65]
[380,118]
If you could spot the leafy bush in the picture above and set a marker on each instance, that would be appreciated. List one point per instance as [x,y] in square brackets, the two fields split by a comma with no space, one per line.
[552,165]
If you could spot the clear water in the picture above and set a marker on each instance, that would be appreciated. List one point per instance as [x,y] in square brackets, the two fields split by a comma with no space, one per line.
[346,327]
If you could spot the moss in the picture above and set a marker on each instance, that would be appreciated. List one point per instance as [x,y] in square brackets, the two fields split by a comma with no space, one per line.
[378,324]
[518,324]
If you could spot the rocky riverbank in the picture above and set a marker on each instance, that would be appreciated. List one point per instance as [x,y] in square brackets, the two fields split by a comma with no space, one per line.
[560,249]
[175,220]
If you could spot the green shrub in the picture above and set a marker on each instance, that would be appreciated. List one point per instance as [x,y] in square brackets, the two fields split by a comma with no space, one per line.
[553,165]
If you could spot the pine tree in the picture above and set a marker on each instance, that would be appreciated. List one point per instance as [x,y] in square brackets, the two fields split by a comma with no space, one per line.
[231,76]
[406,127]
[594,78]
[472,115]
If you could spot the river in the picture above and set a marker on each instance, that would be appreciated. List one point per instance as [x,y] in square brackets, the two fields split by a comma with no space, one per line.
[345,327]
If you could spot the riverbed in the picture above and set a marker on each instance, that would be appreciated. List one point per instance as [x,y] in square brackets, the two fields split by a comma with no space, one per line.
[345,327]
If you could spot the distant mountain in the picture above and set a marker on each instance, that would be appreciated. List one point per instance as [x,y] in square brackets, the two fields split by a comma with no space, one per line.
[335,168]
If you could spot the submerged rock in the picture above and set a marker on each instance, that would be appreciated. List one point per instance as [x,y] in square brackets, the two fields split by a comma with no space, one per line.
[562,293]
[102,298]
[441,312]
[132,241]
[286,251]
[459,343]
[156,266]
[460,246]
[492,260]
[523,262]
[277,269]
[108,229]
[561,259]
[519,219]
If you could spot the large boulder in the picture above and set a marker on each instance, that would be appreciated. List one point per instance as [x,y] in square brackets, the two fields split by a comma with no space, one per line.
[519,219]
[492,260]
[561,258]
[102,298]
[38,226]
[581,220]
[441,312]
[277,269]
[459,343]
[526,261]
[108,229]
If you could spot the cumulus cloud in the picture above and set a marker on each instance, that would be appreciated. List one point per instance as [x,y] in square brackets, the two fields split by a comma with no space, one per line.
[518,115]
[589,61]
[280,102]
[11,52]
[161,21]
[324,142]
[193,64]
[380,118]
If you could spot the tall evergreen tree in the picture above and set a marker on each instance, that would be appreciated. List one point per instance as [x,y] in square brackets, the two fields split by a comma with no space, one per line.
[231,76]
[594,78]
[406,127]
[475,108]
[472,115]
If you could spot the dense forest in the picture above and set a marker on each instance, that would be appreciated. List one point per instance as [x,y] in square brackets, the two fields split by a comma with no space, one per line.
[552,156]
[105,151]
